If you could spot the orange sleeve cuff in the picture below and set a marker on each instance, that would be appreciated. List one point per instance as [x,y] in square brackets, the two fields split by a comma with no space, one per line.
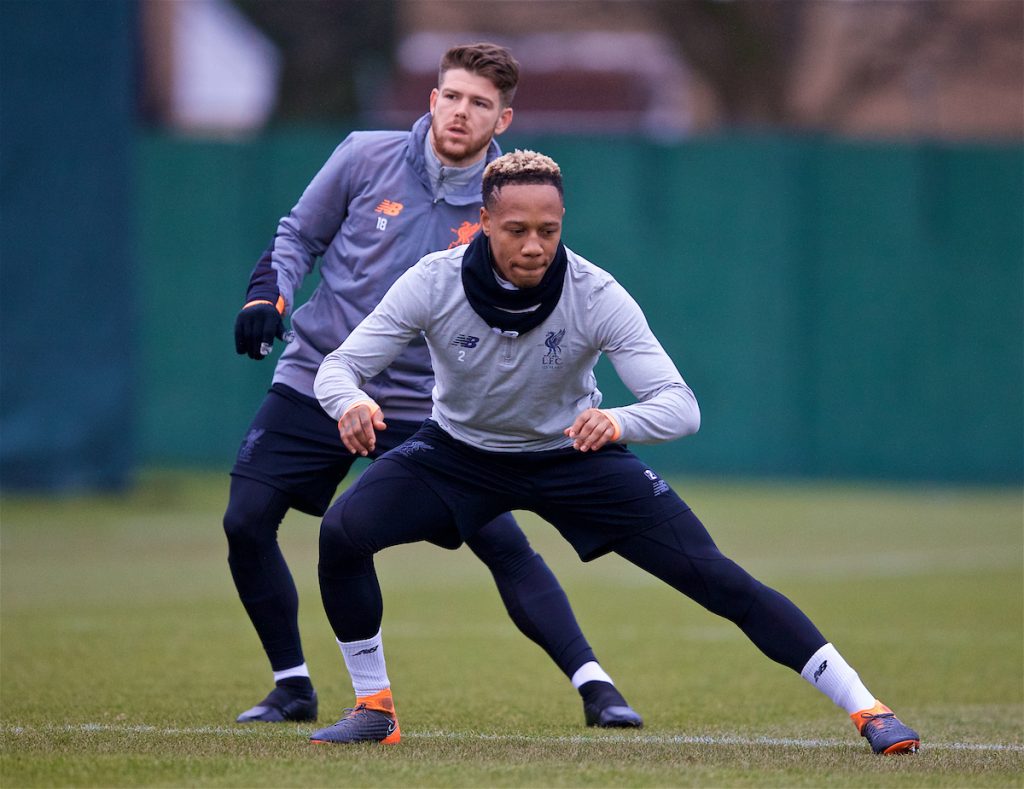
[373,407]
[280,306]
[615,424]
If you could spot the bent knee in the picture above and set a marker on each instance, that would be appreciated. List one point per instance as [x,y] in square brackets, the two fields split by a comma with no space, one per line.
[502,545]
[334,536]
[342,552]
[254,513]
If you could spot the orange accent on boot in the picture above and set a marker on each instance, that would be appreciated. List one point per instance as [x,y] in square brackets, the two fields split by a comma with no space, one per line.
[383,701]
[861,718]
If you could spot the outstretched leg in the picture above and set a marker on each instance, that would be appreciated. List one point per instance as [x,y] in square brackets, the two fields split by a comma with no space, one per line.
[682,553]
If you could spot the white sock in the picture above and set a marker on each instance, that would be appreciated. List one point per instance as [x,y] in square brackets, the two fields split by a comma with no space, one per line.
[589,672]
[365,663]
[832,675]
[294,671]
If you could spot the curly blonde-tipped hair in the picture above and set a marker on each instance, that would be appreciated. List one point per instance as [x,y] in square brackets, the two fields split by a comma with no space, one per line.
[520,167]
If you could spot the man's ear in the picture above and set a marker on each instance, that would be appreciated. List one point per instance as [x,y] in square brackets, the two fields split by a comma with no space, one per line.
[504,121]
[485,221]
[433,99]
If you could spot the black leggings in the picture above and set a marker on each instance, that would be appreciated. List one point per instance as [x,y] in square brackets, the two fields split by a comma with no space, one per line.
[351,591]
[679,551]
[259,570]
[682,554]
[530,591]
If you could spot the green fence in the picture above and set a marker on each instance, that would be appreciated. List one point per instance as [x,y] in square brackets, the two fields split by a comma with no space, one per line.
[840,309]
[67,135]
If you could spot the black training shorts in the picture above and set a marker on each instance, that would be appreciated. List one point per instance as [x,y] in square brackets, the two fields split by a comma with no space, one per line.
[293,446]
[594,499]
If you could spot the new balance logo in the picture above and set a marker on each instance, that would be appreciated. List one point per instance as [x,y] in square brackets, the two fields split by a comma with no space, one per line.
[367,651]
[389,208]
[820,670]
[465,340]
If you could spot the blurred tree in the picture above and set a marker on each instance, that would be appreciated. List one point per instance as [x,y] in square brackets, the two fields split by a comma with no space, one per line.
[336,53]
[950,68]
[745,50]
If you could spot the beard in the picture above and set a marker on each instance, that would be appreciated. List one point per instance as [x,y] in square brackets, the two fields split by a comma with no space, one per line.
[460,150]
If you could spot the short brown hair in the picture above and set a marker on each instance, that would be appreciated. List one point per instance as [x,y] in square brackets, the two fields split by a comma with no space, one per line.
[488,60]
[520,167]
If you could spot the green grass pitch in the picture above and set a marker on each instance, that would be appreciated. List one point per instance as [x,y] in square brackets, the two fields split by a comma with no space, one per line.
[125,654]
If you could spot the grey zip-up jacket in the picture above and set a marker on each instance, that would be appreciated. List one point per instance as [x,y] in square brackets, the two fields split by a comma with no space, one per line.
[369,213]
[503,393]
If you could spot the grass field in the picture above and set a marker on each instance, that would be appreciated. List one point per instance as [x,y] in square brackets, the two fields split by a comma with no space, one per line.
[125,654]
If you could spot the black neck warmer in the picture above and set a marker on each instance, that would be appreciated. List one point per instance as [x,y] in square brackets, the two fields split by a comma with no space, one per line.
[493,303]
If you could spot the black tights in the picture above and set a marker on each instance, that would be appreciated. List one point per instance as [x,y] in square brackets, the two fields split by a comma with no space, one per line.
[355,528]
[530,591]
[258,567]
[682,554]
[679,551]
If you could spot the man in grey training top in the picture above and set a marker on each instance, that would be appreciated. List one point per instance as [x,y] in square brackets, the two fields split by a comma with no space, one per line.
[515,323]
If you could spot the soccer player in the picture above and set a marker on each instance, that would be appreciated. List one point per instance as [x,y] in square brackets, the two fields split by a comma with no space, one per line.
[381,201]
[515,323]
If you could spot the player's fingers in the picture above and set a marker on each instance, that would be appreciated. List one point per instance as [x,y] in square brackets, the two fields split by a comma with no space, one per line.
[368,422]
[594,430]
[356,430]
[356,441]
[366,428]
[599,439]
[269,327]
[261,334]
[573,431]
[254,346]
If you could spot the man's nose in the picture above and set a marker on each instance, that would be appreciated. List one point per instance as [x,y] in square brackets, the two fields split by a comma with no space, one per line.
[532,246]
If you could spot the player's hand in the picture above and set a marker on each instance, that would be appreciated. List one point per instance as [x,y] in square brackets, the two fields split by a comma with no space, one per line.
[591,430]
[358,427]
[255,325]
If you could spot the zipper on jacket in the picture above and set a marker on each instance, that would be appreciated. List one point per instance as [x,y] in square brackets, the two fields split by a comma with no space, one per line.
[508,347]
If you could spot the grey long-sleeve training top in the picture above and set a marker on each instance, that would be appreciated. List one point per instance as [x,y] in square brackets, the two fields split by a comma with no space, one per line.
[516,394]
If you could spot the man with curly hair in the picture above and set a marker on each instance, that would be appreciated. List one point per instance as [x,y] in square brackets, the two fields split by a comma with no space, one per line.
[517,423]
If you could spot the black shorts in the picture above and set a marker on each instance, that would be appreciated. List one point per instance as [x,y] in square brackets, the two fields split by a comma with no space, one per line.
[293,446]
[594,499]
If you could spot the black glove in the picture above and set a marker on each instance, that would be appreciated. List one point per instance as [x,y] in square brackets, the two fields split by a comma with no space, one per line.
[255,325]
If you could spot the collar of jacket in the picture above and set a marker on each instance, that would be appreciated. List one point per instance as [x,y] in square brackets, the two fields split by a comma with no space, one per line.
[416,157]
